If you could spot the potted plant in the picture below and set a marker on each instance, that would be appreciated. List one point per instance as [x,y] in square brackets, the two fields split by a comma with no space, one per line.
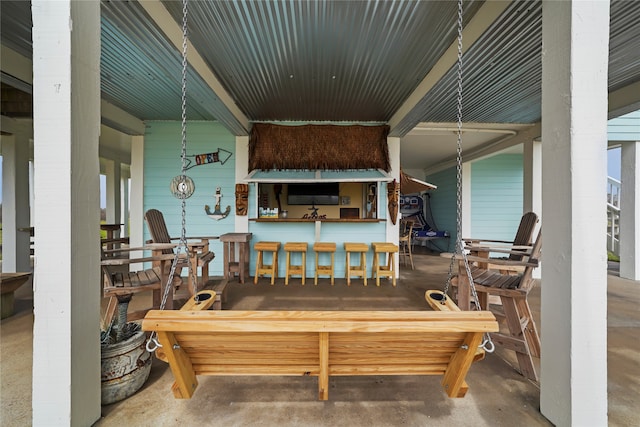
[125,361]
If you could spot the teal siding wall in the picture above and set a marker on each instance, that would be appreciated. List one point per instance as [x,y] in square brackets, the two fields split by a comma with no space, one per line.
[162,162]
[443,204]
[496,196]
[625,128]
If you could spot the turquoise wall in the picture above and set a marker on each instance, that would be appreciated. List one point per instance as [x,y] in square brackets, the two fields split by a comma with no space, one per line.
[162,150]
[162,162]
[496,196]
[625,128]
[443,205]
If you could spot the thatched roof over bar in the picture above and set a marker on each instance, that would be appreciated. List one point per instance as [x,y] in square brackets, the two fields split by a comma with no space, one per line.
[325,147]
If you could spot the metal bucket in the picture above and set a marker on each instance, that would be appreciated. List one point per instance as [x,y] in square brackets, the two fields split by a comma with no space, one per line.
[125,368]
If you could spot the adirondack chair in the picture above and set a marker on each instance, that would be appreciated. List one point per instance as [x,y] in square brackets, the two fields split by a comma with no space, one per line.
[199,254]
[518,247]
[121,284]
[512,290]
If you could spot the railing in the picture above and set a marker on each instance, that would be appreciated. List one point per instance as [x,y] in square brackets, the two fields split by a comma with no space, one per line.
[613,215]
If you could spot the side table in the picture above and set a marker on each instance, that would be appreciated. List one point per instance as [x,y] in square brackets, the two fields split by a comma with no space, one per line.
[231,266]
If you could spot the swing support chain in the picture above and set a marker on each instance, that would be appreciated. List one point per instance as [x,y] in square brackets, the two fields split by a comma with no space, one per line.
[487,344]
[153,344]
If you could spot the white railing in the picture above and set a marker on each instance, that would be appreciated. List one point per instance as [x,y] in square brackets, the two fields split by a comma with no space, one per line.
[613,215]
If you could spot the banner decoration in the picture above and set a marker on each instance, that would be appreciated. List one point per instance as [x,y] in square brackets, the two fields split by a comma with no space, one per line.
[221,156]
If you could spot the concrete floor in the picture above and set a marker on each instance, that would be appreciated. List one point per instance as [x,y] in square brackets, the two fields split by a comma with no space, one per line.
[498,395]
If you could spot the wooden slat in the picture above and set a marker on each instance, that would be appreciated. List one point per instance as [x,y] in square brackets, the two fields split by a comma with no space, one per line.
[320,321]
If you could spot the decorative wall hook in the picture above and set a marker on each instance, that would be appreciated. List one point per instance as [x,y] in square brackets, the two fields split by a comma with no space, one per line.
[217,213]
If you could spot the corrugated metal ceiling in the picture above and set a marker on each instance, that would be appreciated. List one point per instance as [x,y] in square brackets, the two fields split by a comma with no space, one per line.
[313,61]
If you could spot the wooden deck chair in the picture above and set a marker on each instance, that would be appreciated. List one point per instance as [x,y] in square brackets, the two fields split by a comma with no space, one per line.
[199,253]
[406,240]
[512,290]
[517,248]
[118,281]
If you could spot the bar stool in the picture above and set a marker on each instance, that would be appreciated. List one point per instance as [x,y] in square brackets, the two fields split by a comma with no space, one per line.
[326,247]
[380,269]
[261,267]
[356,270]
[292,268]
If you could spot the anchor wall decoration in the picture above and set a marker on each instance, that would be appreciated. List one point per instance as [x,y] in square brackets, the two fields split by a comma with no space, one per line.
[217,213]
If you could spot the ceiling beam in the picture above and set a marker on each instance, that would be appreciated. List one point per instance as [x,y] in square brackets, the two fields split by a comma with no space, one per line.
[624,100]
[481,21]
[120,120]
[16,65]
[529,134]
[173,32]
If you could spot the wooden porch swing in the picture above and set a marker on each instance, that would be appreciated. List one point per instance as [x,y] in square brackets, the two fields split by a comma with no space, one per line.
[442,342]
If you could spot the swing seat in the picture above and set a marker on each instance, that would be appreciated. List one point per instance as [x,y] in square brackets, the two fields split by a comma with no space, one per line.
[319,343]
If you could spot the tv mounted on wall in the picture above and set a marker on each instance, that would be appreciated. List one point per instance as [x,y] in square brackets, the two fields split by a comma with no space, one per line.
[326,193]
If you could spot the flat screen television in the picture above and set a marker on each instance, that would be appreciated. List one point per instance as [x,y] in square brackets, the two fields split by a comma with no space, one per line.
[325,193]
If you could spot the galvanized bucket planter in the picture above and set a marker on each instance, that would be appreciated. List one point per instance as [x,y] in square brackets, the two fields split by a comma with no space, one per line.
[125,368]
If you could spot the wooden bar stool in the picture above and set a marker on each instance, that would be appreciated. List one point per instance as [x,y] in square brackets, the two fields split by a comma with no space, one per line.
[261,267]
[328,247]
[292,268]
[356,270]
[381,269]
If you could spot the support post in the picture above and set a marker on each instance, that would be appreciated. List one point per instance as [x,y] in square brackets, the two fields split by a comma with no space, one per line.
[573,384]
[66,329]
[630,211]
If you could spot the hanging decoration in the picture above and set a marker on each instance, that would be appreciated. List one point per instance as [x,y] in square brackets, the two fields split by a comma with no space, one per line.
[206,158]
[393,194]
[182,187]
[242,199]
[217,213]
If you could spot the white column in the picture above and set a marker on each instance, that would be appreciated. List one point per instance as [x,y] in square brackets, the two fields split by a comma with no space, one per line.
[532,185]
[15,204]
[136,225]
[66,97]
[574,170]
[466,200]
[630,211]
[532,166]
[114,195]
[242,170]
[125,202]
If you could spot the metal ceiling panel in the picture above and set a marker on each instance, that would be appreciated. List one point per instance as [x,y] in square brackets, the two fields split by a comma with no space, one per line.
[624,44]
[141,71]
[320,60]
[15,26]
[313,61]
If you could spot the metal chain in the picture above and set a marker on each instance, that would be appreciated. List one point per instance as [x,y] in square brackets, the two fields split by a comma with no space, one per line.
[487,344]
[153,343]
[458,245]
